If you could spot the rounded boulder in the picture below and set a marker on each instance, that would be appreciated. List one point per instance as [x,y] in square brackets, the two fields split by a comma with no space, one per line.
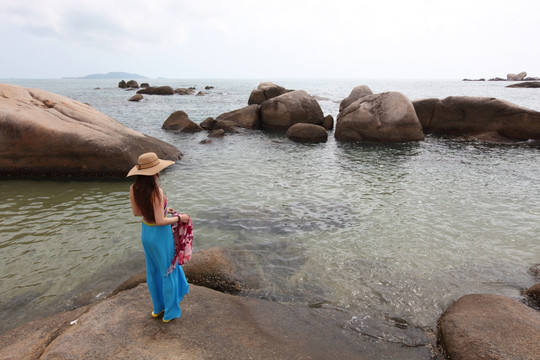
[385,117]
[307,133]
[488,326]
[283,111]
[180,121]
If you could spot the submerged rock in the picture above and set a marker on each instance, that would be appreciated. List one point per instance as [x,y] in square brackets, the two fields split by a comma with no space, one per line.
[486,326]
[386,117]
[46,134]
[476,116]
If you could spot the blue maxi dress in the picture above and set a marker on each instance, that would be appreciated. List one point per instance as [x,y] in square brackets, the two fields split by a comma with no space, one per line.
[167,291]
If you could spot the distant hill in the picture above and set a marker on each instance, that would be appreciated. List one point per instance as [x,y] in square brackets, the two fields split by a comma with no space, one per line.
[113,75]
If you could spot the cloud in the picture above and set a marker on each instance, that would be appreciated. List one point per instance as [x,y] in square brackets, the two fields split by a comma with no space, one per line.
[285,38]
[113,25]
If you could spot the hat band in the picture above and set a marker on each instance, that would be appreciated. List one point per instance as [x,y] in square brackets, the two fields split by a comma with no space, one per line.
[148,165]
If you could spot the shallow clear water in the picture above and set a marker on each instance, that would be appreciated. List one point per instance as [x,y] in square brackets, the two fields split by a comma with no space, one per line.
[384,231]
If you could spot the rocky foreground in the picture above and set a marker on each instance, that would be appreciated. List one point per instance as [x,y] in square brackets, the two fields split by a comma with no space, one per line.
[215,325]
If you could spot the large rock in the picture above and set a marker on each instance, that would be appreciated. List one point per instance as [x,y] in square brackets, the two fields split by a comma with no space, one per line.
[180,121]
[158,90]
[213,325]
[246,117]
[46,134]
[221,269]
[307,133]
[136,98]
[385,117]
[185,91]
[356,93]
[516,77]
[486,326]
[476,116]
[294,107]
[132,84]
[528,84]
[266,91]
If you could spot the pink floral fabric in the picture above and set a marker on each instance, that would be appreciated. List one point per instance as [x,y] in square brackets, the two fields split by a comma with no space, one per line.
[183,242]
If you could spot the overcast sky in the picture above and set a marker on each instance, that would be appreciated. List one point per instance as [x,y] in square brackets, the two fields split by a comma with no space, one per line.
[272,39]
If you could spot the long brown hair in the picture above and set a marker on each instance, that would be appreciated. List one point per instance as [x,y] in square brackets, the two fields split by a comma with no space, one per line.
[145,189]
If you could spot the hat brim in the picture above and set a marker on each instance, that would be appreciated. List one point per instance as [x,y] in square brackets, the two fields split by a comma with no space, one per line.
[150,171]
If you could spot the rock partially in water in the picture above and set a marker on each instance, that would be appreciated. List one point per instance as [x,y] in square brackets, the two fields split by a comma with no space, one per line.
[281,112]
[180,121]
[307,133]
[516,77]
[136,97]
[246,117]
[220,269]
[46,134]
[487,326]
[386,117]
[213,326]
[159,90]
[475,116]
[534,295]
[528,84]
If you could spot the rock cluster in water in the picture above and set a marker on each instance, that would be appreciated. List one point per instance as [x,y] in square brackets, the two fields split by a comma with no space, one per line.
[384,117]
[522,76]
[158,90]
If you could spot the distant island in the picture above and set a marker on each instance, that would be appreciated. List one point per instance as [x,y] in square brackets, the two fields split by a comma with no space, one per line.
[111,75]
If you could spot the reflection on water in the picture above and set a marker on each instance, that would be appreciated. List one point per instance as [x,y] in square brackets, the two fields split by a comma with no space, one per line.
[391,233]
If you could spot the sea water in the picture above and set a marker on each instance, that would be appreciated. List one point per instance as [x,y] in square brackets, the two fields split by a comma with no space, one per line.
[391,233]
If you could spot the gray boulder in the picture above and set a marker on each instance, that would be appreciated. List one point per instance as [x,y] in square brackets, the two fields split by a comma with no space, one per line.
[180,121]
[356,93]
[46,134]
[479,117]
[516,77]
[307,133]
[486,326]
[386,117]
[281,112]
[265,91]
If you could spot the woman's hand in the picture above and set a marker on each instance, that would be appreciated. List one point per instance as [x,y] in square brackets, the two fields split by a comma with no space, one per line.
[184,218]
[170,210]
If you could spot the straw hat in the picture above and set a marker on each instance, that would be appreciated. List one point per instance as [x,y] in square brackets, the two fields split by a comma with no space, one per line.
[149,164]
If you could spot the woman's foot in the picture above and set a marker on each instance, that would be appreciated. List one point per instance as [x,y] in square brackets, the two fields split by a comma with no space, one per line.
[158,314]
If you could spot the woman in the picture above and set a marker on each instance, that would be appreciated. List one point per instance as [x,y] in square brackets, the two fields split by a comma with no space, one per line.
[149,201]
